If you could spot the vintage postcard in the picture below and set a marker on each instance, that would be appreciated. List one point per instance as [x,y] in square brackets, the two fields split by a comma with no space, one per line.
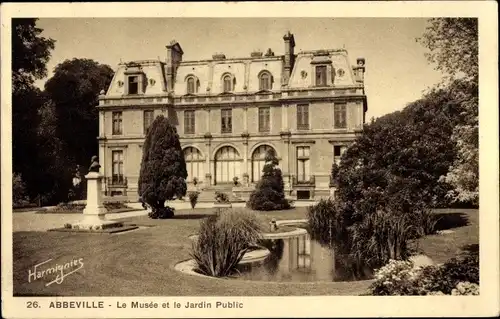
[255,159]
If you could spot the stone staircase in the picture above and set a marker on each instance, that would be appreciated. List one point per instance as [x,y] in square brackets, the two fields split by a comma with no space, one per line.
[208,194]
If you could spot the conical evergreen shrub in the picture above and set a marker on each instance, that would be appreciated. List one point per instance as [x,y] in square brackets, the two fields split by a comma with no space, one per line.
[163,168]
[269,193]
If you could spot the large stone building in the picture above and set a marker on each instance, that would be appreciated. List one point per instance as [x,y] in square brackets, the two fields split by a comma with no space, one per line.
[305,105]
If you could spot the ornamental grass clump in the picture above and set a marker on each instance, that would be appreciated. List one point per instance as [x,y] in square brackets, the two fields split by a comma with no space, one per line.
[223,240]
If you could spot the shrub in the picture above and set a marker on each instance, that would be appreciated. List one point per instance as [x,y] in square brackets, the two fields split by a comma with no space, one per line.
[395,279]
[162,213]
[193,198]
[235,180]
[61,207]
[19,197]
[221,197]
[195,181]
[269,193]
[463,268]
[223,240]
[458,276]
[334,175]
[163,168]
[466,288]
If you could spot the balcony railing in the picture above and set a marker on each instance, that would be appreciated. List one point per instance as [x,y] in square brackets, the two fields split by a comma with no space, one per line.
[302,127]
[307,181]
[117,181]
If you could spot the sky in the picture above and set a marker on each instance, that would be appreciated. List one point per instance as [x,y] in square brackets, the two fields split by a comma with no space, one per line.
[397,71]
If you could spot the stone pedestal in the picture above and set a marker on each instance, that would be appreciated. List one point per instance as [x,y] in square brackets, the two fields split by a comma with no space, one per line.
[95,212]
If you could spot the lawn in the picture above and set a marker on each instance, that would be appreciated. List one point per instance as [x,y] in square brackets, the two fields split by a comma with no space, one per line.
[141,262]
[465,226]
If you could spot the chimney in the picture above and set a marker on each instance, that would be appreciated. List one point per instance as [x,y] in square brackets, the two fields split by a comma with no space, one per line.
[289,56]
[359,70]
[174,58]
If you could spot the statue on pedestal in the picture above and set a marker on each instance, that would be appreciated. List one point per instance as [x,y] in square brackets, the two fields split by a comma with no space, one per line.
[94,165]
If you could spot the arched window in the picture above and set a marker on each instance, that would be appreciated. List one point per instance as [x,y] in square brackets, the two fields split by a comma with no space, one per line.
[194,164]
[258,161]
[192,85]
[227,83]
[265,81]
[227,164]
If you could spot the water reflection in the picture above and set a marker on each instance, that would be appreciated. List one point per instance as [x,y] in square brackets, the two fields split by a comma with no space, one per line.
[300,259]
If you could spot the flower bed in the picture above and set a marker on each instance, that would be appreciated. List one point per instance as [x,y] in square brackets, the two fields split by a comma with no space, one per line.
[458,276]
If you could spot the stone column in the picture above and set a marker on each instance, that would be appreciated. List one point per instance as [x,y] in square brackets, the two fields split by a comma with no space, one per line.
[284,118]
[102,154]
[101,124]
[208,119]
[286,165]
[208,170]
[245,119]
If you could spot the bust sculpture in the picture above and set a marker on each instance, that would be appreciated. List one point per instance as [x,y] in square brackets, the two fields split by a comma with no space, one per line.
[94,164]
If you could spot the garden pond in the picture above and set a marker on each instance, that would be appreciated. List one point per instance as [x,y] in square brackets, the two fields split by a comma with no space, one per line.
[301,259]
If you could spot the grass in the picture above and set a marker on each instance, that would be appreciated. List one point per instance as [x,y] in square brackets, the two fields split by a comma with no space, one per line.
[140,263]
[76,211]
[464,223]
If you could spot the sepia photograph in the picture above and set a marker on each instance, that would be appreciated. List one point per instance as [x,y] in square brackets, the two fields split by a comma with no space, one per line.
[224,156]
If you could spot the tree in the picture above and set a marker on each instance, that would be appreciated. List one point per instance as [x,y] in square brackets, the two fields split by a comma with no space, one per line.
[30,54]
[269,193]
[54,179]
[74,89]
[163,168]
[413,143]
[453,47]
[387,180]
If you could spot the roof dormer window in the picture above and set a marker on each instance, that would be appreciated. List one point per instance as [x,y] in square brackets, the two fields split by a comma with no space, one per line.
[192,85]
[133,84]
[321,75]
[265,81]
[228,83]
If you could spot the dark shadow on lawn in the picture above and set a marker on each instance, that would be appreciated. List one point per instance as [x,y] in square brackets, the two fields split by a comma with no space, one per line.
[451,220]
[471,248]
[35,295]
[191,216]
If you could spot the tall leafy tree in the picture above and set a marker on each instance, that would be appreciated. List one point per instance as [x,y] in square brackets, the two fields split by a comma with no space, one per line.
[453,48]
[30,54]
[74,89]
[163,168]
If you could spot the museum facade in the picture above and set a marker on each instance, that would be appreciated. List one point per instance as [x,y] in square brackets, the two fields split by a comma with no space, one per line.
[306,106]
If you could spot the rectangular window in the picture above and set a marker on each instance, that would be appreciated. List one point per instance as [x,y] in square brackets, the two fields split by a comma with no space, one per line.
[338,151]
[226,121]
[303,164]
[133,85]
[339,116]
[117,123]
[117,169]
[321,75]
[189,122]
[148,119]
[264,119]
[303,117]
